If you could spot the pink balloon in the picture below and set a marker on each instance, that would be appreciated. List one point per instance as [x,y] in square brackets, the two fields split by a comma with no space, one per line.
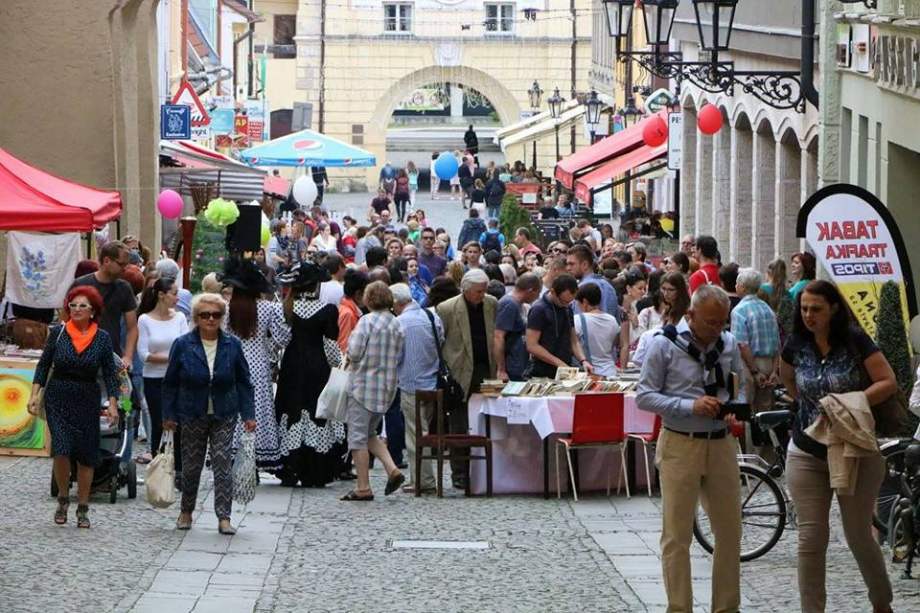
[169,204]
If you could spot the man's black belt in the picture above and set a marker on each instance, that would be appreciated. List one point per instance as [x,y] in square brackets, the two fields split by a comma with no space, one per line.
[710,434]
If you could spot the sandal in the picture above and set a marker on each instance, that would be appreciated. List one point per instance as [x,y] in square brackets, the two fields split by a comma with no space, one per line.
[83,516]
[229,530]
[354,496]
[60,516]
[393,483]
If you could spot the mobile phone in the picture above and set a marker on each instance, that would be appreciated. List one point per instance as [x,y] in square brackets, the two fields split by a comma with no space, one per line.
[741,411]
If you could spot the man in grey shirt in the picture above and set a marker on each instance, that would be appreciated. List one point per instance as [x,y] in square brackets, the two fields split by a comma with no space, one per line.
[685,379]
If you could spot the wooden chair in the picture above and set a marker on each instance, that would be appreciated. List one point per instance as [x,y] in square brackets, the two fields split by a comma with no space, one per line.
[439,442]
[597,423]
[649,441]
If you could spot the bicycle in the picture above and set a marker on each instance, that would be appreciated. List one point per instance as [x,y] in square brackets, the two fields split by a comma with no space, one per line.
[766,507]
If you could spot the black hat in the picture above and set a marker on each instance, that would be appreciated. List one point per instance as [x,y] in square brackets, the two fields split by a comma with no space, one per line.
[244,275]
[306,274]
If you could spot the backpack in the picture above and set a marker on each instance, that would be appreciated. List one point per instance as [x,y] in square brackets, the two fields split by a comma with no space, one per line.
[491,242]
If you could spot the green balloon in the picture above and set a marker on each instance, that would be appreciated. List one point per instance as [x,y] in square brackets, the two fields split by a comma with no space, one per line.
[266,235]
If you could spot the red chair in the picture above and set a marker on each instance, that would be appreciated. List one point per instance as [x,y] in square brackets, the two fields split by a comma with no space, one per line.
[648,441]
[597,423]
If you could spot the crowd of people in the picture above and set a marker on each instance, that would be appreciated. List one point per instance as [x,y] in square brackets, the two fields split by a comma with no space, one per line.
[390,299]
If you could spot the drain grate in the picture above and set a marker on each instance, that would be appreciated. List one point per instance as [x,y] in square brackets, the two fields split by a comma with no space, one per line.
[439,544]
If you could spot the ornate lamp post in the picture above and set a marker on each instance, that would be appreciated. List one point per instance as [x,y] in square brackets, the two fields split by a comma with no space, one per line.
[555,110]
[535,94]
[593,107]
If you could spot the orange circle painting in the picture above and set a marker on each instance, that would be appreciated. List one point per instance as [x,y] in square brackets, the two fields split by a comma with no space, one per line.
[17,427]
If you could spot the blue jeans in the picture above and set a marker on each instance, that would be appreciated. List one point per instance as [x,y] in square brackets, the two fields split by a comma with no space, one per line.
[494,211]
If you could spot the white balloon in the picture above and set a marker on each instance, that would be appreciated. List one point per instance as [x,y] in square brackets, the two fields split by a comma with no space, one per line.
[305,191]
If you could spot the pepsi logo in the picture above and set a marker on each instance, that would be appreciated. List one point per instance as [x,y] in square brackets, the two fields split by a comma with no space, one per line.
[307,144]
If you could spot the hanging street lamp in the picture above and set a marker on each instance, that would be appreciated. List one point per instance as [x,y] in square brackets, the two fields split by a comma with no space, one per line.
[619,18]
[593,107]
[556,103]
[780,89]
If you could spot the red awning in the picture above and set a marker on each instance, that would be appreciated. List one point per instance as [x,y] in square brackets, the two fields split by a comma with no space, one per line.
[616,167]
[32,199]
[579,163]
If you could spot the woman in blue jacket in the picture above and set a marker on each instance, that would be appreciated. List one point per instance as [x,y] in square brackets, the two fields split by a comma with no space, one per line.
[206,388]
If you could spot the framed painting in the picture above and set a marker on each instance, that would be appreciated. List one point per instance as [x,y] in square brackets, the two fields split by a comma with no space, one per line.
[21,434]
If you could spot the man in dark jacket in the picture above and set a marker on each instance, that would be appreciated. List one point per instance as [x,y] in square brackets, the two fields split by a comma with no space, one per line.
[471,140]
[495,191]
[472,229]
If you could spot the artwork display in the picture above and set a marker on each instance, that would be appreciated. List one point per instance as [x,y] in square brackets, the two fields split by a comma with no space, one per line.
[20,432]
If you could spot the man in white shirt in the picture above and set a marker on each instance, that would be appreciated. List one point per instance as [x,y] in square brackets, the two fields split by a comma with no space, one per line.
[331,292]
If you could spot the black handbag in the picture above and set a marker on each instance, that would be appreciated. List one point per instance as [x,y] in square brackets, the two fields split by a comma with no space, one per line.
[452,392]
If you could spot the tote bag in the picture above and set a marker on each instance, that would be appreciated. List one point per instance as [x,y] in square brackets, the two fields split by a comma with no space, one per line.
[161,475]
[244,469]
[333,400]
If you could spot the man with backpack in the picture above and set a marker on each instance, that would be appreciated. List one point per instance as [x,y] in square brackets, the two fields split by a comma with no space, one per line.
[495,191]
[492,239]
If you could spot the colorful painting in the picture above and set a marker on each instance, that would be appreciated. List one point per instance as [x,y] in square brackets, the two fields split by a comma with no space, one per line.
[20,432]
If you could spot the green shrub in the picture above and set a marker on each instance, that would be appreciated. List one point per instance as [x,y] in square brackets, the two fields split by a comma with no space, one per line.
[513,216]
[891,338]
[208,251]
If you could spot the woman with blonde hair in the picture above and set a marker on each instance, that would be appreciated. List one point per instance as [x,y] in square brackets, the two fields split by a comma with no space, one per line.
[455,271]
[776,278]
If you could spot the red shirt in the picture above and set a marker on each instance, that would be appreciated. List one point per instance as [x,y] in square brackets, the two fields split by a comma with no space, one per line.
[708,274]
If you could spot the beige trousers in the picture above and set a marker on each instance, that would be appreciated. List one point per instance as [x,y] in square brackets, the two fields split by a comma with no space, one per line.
[696,470]
[808,480]
[407,403]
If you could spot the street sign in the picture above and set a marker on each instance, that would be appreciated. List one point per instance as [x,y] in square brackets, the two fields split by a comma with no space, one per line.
[175,122]
[201,121]
[675,140]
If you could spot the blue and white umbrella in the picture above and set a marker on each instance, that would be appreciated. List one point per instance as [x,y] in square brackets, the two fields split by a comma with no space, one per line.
[308,148]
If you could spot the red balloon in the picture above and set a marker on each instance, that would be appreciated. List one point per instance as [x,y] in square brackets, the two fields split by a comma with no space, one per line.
[655,131]
[709,119]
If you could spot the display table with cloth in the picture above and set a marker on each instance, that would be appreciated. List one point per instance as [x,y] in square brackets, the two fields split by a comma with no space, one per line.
[522,430]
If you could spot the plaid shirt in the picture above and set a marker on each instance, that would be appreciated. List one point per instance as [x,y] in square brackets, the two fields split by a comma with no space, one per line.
[374,350]
[754,324]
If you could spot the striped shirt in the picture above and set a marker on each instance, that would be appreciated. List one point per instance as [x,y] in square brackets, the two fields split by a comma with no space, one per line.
[754,324]
[418,364]
[374,349]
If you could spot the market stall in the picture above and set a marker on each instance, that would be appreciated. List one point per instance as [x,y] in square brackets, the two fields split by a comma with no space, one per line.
[523,429]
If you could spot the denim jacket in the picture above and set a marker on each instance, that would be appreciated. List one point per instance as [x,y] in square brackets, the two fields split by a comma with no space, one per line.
[188,383]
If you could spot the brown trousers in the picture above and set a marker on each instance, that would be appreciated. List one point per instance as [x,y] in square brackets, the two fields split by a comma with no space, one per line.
[696,470]
[808,480]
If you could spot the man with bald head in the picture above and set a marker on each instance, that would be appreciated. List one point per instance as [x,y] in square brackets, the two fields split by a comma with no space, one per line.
[686,379]
[469,327]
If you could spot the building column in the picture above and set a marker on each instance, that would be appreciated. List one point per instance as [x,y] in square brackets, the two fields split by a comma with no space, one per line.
[721,186]
[703,184]
[739,242]
[763,198]
[688,200]
[788,193]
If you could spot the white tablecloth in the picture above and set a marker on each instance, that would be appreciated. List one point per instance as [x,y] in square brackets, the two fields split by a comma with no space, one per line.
[518,427]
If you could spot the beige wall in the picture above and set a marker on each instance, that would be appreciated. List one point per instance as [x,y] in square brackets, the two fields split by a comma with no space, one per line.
[368,72]
[79,96]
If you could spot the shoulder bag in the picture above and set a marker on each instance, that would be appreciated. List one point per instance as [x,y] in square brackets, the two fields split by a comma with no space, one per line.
[40,394]
[451,390]
[890,414]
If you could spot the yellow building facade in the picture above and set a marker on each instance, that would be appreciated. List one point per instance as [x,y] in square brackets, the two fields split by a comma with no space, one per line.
[357,60]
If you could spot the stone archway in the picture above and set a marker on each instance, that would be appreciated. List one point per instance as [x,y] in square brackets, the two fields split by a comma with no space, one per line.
[763,195]
[688,178]
[741,164]
[504,102]
[788,193]
[721,182]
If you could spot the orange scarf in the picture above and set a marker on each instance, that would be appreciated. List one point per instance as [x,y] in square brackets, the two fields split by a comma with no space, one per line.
[81,340]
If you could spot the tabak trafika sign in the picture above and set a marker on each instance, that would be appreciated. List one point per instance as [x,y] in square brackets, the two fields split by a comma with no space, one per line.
[855,238]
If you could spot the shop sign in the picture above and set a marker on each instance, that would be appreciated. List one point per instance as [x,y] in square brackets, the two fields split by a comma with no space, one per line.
[175,122]
[675,140]
[855,238]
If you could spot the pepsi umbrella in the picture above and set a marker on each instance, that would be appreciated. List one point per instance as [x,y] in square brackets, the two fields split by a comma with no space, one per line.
[308,148]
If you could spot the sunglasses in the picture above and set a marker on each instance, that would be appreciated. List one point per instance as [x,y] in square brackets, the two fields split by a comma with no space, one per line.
[206,315]
[79,305]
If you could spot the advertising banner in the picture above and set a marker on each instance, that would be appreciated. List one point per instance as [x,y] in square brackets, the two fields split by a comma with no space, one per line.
[857,241]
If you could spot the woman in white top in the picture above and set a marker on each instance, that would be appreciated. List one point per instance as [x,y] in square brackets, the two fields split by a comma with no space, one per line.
[597,330]
[324,240]
[675,300]
[635,290]
[159,324]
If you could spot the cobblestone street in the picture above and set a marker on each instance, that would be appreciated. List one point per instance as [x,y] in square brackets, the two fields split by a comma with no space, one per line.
[303,550]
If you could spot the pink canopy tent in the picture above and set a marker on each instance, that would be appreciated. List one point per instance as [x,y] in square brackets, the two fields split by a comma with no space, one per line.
[32,199]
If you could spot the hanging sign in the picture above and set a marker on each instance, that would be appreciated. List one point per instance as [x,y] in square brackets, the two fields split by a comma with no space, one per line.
[175,122]
[857,241]
[675,140]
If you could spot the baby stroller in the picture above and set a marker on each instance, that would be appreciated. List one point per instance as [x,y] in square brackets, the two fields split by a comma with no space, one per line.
[116,468]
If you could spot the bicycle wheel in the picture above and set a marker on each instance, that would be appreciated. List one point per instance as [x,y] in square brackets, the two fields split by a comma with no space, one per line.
[763,515]
[892,488]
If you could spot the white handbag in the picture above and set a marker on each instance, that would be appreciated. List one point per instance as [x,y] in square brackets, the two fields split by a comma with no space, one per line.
[161,475]
[244,469]
[333,401]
